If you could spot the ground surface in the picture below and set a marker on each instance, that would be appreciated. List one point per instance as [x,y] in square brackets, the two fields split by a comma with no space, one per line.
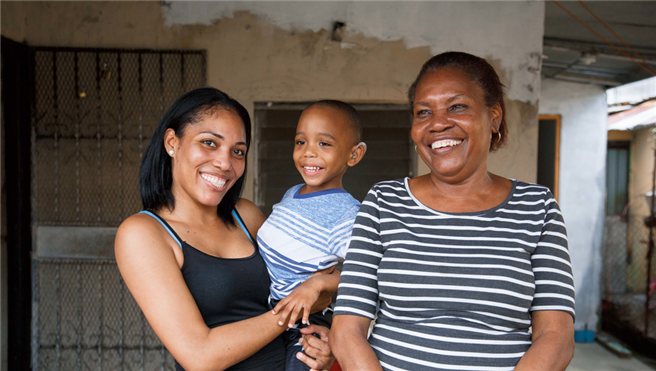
[594,357]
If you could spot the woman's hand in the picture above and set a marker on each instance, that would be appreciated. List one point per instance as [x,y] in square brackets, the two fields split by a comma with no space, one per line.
[299,302]
[318,350]
[313,295]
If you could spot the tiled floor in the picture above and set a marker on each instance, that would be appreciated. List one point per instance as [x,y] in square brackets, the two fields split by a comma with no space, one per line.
[594,357]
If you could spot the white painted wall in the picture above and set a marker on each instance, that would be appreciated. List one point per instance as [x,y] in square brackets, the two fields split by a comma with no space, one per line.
[582,184]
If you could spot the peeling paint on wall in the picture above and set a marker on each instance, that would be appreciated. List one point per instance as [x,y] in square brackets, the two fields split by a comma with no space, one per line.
[508,31]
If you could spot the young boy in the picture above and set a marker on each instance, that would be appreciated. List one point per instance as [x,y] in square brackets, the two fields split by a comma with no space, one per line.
[309,229]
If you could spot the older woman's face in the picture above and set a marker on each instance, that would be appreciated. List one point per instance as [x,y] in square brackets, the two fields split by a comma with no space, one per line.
[452,126]
[209,158]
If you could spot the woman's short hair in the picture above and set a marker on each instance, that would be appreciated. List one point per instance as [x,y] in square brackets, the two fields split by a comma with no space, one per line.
[156,176]
[481,72]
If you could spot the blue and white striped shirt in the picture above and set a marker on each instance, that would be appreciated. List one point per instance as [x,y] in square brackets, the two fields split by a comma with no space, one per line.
[305,233]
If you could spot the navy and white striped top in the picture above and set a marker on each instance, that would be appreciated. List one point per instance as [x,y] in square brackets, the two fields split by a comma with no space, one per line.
[454,291]
[305,233]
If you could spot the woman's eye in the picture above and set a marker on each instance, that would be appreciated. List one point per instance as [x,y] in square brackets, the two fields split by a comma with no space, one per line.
[208,142]
[422,112]
[239,152]
[457,107]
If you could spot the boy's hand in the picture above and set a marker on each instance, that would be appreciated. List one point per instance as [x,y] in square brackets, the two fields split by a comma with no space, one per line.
[301,299]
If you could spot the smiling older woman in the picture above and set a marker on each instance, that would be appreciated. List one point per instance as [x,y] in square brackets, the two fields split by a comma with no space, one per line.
[464,269]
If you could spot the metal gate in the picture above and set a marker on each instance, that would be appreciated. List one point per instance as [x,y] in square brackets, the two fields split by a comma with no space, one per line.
[93,113]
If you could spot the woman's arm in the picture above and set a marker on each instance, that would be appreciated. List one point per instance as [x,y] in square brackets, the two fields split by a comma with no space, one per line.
[552,310]
[357,297]
[348,340]
[553,342]
[148,266]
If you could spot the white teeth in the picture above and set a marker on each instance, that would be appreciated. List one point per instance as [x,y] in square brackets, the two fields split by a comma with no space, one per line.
[445,143]
[215,181]
[311,168]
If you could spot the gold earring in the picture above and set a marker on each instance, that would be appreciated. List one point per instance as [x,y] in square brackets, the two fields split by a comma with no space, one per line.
[499,140]
[416,149]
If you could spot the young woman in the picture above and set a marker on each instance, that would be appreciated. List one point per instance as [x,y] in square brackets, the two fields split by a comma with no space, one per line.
[190,258]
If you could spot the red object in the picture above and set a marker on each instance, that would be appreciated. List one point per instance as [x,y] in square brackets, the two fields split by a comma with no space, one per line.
[335,367]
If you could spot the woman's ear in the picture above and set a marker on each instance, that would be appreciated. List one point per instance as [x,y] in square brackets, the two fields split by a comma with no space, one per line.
[171,142]
[496,115]
[357,153]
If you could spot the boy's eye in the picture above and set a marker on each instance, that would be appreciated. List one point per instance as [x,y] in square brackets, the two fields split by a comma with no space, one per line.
[300,142]
[208,142]
[324,144]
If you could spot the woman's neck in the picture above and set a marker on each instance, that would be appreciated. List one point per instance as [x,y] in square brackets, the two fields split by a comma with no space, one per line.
[478,183]
[188,210]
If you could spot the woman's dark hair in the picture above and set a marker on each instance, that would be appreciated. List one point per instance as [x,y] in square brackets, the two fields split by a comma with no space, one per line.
[155,175]
[482,73]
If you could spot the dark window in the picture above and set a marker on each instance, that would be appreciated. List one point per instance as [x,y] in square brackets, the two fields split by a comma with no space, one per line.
[548,152]
[617,177]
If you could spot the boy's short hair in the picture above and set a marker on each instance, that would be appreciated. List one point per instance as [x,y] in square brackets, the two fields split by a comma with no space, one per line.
[350,113]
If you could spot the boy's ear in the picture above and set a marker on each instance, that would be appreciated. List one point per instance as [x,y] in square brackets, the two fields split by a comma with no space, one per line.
[357,153]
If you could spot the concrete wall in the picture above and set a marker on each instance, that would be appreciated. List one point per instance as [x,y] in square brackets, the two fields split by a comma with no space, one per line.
[582,183]
[283,51]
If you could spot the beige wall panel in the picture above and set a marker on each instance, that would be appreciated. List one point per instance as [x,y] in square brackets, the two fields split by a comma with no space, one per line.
[642,170]
[620,135]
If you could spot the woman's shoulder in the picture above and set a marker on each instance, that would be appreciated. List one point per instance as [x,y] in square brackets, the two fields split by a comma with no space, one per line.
[140,231]
[534,189]
[250,214]
[395,186]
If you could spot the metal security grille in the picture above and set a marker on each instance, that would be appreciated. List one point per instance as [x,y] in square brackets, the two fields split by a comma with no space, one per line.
[94,111]
[628,311]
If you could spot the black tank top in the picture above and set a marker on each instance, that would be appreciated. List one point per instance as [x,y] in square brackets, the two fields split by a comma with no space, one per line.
[230,290]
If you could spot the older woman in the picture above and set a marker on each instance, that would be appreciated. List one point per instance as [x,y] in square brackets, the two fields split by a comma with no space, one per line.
[464,269]
[190,258]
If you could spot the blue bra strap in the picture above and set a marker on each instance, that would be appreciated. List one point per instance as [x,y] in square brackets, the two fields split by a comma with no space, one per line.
[163,225]
[238,219]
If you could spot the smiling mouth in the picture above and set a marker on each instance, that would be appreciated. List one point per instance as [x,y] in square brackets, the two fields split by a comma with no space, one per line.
[445,143]
[311,169]
[214,180]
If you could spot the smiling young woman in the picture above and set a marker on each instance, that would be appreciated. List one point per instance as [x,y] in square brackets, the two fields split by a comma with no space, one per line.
[462,269]
[190,259]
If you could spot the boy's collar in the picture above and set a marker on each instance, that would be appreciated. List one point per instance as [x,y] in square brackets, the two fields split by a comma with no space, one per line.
[317,193]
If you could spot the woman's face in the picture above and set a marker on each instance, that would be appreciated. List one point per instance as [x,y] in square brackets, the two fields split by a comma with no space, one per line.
[452,126]
[209,158]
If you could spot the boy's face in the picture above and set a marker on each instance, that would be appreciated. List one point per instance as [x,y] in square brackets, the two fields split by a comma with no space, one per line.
[324,145]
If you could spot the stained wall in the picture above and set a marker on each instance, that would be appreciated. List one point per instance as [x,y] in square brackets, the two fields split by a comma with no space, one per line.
[259,52]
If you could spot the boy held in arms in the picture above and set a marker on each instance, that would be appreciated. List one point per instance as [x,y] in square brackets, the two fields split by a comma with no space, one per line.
[310,228]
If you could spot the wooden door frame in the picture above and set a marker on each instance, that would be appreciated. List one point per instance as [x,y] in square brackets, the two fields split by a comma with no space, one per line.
[557,119]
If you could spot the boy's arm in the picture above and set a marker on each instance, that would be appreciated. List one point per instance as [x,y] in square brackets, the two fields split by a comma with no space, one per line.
[306,295]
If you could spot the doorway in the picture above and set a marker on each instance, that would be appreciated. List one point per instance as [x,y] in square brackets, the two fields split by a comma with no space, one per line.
[549,153]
